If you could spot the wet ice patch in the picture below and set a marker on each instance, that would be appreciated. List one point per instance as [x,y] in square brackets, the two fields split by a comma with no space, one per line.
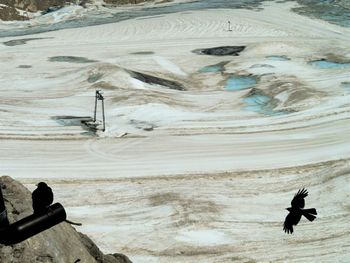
[278,58]
[260,103]
[203,237]
[286,94]
[240,82]
[327,64]
[17,42]
[214,68]
[210,69]
[94,77]
[346,85]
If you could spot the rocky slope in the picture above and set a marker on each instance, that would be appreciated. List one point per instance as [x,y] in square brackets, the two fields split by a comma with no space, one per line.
[60,244]
[125,2]
[35,5]
[11,9]
[16,9]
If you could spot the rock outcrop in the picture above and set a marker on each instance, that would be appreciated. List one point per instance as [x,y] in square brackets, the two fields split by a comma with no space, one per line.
[35,5]
[125,2]
[10,9]
[59,244]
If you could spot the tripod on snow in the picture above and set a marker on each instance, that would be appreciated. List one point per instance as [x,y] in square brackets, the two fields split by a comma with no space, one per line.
[99,96]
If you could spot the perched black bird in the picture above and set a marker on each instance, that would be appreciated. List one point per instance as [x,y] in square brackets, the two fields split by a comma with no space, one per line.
[42,198]
[296,211]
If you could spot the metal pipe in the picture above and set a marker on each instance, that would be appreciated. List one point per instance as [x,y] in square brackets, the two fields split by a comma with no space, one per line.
[32,225]
[3,213]
[2,203]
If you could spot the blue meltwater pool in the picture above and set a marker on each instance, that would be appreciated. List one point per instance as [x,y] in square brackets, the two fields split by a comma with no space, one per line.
[240,82]
[327,64]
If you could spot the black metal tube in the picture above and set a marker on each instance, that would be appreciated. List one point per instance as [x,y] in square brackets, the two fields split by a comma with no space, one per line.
[32,225]
[2,203]
[3,213]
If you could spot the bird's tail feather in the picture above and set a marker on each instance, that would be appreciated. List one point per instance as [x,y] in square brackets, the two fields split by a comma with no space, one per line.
[310,211]
[309,214]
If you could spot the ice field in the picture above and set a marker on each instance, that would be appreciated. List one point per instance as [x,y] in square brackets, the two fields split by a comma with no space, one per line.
[201,153]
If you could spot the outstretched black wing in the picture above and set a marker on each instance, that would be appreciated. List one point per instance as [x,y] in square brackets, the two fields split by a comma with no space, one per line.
[298,200]
[291,220]
[288,225]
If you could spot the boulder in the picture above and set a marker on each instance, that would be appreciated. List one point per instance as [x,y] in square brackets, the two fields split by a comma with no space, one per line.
[59,244]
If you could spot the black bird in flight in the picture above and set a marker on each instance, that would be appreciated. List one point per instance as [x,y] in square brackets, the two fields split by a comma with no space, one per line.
[42,198]
[297,210]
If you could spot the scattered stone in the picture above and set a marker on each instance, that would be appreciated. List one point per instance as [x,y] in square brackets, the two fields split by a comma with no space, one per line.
[96,253]
[125,2]
[8,13]
[220,51]
[51,9]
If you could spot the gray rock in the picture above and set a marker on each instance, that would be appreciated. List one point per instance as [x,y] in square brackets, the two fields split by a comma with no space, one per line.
[220,51]
[96,253]
[125,2]
[59,244]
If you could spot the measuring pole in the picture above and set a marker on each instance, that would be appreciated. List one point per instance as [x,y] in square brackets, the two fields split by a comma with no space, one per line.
[103,113]
[95,105]
[99,96]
